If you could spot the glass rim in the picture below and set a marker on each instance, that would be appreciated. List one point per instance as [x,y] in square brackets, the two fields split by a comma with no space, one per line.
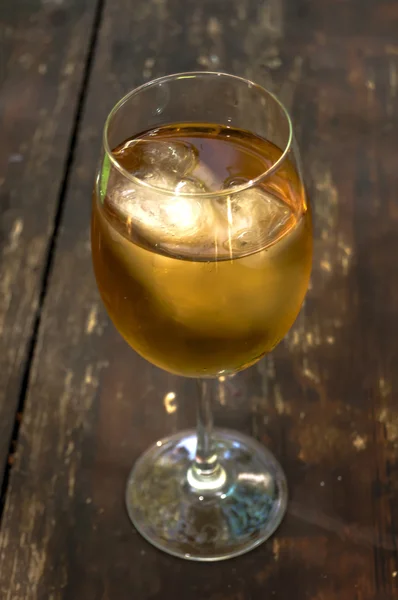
[213,194]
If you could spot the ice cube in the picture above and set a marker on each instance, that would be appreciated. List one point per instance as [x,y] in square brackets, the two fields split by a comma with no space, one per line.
[190,185]
[251,219]
[161,218]
[145,158]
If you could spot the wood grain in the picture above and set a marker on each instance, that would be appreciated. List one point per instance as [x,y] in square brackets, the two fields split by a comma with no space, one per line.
[323,401]
[43,50]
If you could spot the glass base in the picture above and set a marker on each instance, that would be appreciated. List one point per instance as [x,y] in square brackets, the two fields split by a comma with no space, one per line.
[200,524]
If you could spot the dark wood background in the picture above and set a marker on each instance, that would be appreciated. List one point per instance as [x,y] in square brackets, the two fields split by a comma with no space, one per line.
[77,406]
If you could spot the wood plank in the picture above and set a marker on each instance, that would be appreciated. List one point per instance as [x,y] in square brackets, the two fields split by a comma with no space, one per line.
[324,400]
[44,48]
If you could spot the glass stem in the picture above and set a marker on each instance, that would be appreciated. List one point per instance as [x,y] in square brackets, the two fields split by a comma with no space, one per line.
[205,472]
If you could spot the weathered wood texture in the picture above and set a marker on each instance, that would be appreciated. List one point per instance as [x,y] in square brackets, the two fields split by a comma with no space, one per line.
[324,401]
[43,49]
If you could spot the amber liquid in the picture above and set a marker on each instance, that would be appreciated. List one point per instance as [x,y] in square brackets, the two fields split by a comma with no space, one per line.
[201,285]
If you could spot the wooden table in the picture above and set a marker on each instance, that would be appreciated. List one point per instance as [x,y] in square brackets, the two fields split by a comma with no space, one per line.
[77,406]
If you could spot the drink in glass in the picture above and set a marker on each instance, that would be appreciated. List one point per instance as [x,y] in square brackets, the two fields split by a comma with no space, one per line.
[202,245]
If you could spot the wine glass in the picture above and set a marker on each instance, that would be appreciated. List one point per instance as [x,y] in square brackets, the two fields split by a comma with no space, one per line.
[202,246]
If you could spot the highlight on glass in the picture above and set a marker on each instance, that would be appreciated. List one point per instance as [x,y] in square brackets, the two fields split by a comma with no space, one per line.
[202,247]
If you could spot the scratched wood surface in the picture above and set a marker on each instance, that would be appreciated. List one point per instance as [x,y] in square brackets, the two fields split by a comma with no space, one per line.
[324,401]
[43,49]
